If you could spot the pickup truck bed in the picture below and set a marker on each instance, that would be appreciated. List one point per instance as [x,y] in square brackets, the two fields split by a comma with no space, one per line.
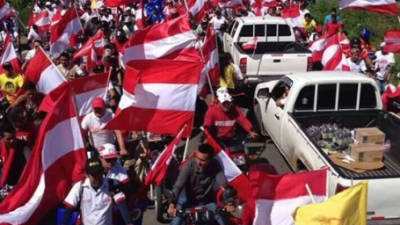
[387,122]
[274,48]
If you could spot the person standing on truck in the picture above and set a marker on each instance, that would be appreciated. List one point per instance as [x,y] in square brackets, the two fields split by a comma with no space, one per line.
[383,67]
[309,24]
[230,73]
[221,118]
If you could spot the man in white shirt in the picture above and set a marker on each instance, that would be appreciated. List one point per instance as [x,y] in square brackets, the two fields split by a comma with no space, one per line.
[95,196]
[109,160]
[383,67]
[94,123]
[216,22]
[356,63]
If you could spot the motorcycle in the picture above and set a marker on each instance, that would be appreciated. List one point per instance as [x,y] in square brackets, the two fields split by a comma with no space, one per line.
[203,216]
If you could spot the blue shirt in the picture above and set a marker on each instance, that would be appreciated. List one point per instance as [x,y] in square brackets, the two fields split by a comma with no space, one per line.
[328,18]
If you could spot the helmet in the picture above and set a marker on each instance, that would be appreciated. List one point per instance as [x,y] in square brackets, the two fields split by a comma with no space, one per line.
[355,41]
[229,194]
[365,33]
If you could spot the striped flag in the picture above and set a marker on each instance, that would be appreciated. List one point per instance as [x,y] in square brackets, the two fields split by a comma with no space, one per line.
[43,72]
[5,10]
[9,55]
[159,96]
[381,6]
[57,161]
[392,41]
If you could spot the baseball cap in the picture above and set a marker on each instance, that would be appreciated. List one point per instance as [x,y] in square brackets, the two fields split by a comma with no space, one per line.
[98,102]
[108,151]
[223,95]
[93,166]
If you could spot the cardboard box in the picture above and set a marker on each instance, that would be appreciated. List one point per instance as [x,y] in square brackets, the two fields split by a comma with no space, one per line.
[369,135]
[366,152]
[358,167]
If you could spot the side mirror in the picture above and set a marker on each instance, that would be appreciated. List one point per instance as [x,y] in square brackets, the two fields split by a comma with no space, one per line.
[263,93]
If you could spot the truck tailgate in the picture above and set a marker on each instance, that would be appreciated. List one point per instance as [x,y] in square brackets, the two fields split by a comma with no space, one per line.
[276,64]
[383,198]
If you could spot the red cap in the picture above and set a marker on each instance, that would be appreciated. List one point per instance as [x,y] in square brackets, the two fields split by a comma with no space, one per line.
[98,102]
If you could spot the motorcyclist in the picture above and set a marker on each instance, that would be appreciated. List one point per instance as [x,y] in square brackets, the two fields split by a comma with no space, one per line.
[197,183]
[221,118]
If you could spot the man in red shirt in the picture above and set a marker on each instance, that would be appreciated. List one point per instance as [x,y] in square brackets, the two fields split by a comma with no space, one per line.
[333,26]
[221,118]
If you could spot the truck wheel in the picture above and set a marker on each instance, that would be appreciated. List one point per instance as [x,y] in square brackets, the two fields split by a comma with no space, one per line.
[160,206]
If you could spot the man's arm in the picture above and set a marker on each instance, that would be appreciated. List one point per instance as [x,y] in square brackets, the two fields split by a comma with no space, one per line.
[121,142]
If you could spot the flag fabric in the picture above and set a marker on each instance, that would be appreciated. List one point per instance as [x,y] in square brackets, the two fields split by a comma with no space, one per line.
[333,57]
[162,40]
[250,44]
[140,16]
[227,3]
[345,208]
[5,10]
[9,55]
[392,41]
[292,16]
[87,88]
[381,6]
[235,177]
[41,19]
[158,170]
[43,72]
[63,33]
[116,3]
[277,196]
[96,42]
[198,8]
[57,161]
[211,61]
[159,99]
[258,5]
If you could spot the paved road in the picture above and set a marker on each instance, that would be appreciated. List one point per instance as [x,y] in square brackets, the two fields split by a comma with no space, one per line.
[270,152]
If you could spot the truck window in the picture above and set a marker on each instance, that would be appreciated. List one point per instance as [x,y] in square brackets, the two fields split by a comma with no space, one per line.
[260,30]
[271,30]
[234,28]
[348,96]
[305,100]
[326,96]
[367,97]
[284,30]
[247,31]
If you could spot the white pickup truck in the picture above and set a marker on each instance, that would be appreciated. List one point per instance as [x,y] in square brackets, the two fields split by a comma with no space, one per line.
[276,53]
[345,98]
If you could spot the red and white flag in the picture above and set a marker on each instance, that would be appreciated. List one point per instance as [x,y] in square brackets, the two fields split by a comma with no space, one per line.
[277,196]
[140,16]
[158,170]
[57,161]
[42,21]
[211,62]
[43,72]
[227,3]
[163,40]
[392,41]
[198,8]
[116,3]
[381,6]
[9,55]
[5,10]
[87,88]
[292,16]
[250,44]
[258,5]
[160,99]
[64,32]
[235,177]
[96,42]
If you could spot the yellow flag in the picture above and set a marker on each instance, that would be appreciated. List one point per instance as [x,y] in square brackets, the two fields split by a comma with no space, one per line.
[94,4]
[349,207]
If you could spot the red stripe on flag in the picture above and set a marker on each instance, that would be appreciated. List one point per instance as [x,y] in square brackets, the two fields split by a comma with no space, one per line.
[89,83]
[36,66]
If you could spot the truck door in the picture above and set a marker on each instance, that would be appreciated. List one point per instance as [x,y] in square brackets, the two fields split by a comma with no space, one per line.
[274,112]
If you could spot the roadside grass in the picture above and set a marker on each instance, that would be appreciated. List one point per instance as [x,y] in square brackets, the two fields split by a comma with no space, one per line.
[354,20]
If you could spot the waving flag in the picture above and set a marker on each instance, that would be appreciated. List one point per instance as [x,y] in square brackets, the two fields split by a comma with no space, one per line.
[333,57]
[160,99]
[160,40]
[42,20]
[43,72]
[87,88]
[250,44]
[233,174]
[198,8]
[346,208]
[292,16]
[159,168]
[64,32]
[257,5]
[96,42]
[381,6]
[392,41]
[9,55]
[277,196]
[211,62]
[116,3]
[5,10]
[57,161]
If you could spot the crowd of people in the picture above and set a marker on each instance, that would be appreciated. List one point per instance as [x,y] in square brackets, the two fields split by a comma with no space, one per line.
[113,167]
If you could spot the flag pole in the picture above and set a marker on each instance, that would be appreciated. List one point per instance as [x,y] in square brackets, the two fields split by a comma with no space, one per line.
[309,193]
[185,152]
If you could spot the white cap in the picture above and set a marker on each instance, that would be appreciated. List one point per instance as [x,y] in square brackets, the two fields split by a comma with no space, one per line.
[223,95]
[108,151]
[382,44]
